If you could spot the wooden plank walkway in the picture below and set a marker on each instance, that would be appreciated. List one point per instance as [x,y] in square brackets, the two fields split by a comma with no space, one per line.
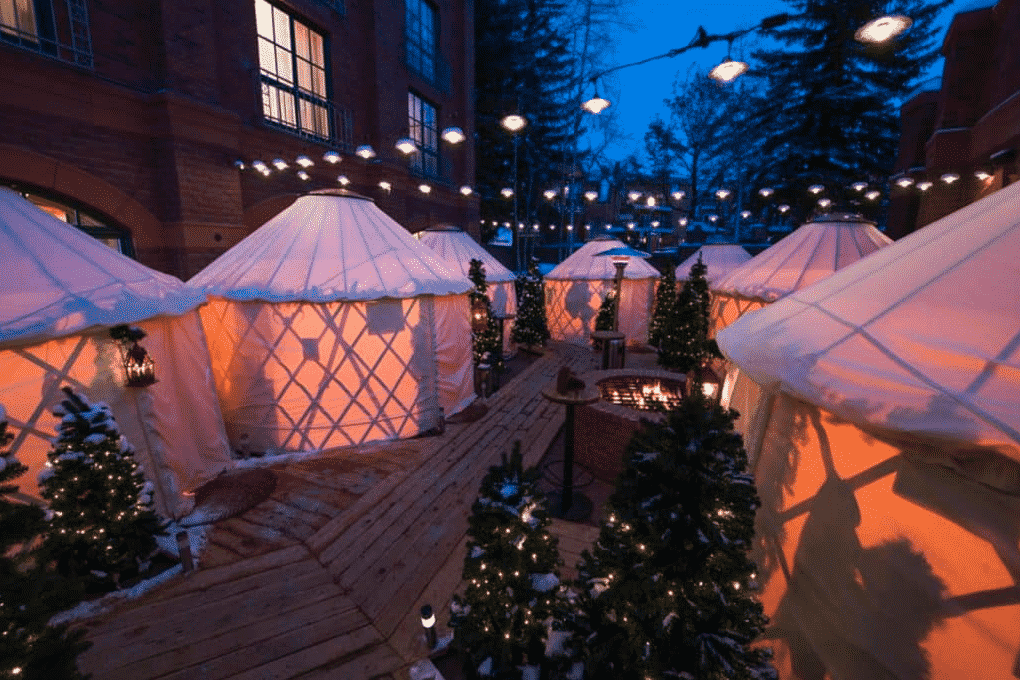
[325,579]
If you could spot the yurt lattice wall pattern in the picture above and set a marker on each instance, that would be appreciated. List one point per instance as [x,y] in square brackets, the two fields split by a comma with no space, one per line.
[298,376]
[571,307]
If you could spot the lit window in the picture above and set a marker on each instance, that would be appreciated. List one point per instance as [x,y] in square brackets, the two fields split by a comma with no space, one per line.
[292,59]
[115,238]
[421,34]
[424,127]
[33,25]
[17,17]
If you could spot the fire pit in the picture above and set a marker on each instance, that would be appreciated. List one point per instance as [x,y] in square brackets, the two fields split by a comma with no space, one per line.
[604,429]
[644,393]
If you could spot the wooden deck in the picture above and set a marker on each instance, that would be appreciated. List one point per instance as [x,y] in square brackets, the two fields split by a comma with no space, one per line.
[325,579]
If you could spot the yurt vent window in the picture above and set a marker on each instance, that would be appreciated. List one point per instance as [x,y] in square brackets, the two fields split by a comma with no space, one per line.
[139,369]
[385,316]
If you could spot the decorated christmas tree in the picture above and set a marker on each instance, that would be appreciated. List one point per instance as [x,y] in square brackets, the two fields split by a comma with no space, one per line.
[485,340]
[531,328]
[666,590]
[29,648]
[102,525]
[684,344]
[511,571]
[664,308]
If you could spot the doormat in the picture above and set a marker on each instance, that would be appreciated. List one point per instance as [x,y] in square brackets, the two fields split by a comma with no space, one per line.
[232,493]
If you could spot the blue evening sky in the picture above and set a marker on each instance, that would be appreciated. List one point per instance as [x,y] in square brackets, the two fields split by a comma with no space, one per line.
[666,24]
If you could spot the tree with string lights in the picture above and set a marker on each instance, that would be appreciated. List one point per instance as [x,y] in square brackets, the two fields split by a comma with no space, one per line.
[102,526]
[684,344]
[666,589]
[511,571]
[29,647]
[531,328]
[664,308]
[486,341]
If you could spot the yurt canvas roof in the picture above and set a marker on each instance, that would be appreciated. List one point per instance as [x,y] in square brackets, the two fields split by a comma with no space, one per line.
[586,264]
[809,254]
[58,280]
[720,259]
[327,246]
[921,337]
[456,247]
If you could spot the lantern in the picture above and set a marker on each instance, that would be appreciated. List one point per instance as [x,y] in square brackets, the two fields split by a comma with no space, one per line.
[480,314]
[139,368]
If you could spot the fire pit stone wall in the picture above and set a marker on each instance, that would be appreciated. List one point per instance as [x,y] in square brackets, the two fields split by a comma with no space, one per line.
[603,429]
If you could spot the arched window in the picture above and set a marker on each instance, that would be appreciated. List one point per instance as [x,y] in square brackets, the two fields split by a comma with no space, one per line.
[89,222]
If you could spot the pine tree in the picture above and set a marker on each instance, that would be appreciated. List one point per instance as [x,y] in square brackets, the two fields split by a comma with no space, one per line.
[487,343]
[666,590]
[511,571]
[684,345]
[29,647]
[664,307]
[829,114]
[531,328]
[102,526]
[606,315]
[523,66]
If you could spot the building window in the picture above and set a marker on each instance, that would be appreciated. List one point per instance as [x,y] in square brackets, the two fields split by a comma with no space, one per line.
[424,127]
[115,238]
[422,36]
[33,25]
[292,62]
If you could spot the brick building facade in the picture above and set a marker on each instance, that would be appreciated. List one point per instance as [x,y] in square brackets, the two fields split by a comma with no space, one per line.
[132,118]
[960,138]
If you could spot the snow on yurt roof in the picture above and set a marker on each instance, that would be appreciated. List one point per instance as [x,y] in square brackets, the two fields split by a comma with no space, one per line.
[720,259]
[58,280]
[585,264]
[921,337]
[809,254]
[456,248]
[329,245]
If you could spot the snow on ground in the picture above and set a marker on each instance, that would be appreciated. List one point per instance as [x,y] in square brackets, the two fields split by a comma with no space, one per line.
[167,544]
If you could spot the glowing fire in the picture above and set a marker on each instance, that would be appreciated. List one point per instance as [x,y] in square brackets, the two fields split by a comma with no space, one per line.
[646,394]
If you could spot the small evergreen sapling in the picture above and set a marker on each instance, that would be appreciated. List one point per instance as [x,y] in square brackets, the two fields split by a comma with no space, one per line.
[665,592]
[487,343]
[102,526]
[29,648]
[531,328]
[511,571]
[664,309]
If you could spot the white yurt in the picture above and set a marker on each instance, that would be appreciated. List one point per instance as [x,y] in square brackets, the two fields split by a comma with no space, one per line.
[331,325]
[886,453]
[719,259]
[575,288]
[456,249]
[60,293]
[809,254]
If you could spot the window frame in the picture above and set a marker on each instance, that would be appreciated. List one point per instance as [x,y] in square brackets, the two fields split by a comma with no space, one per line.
[425,134]
[299,76]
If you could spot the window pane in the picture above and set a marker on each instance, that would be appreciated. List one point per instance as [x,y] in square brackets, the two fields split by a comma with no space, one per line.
[267,59]
[282,23]
[264,18]
[304,74]
[301,39]
[319,82]
[318,57]
[284,66]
